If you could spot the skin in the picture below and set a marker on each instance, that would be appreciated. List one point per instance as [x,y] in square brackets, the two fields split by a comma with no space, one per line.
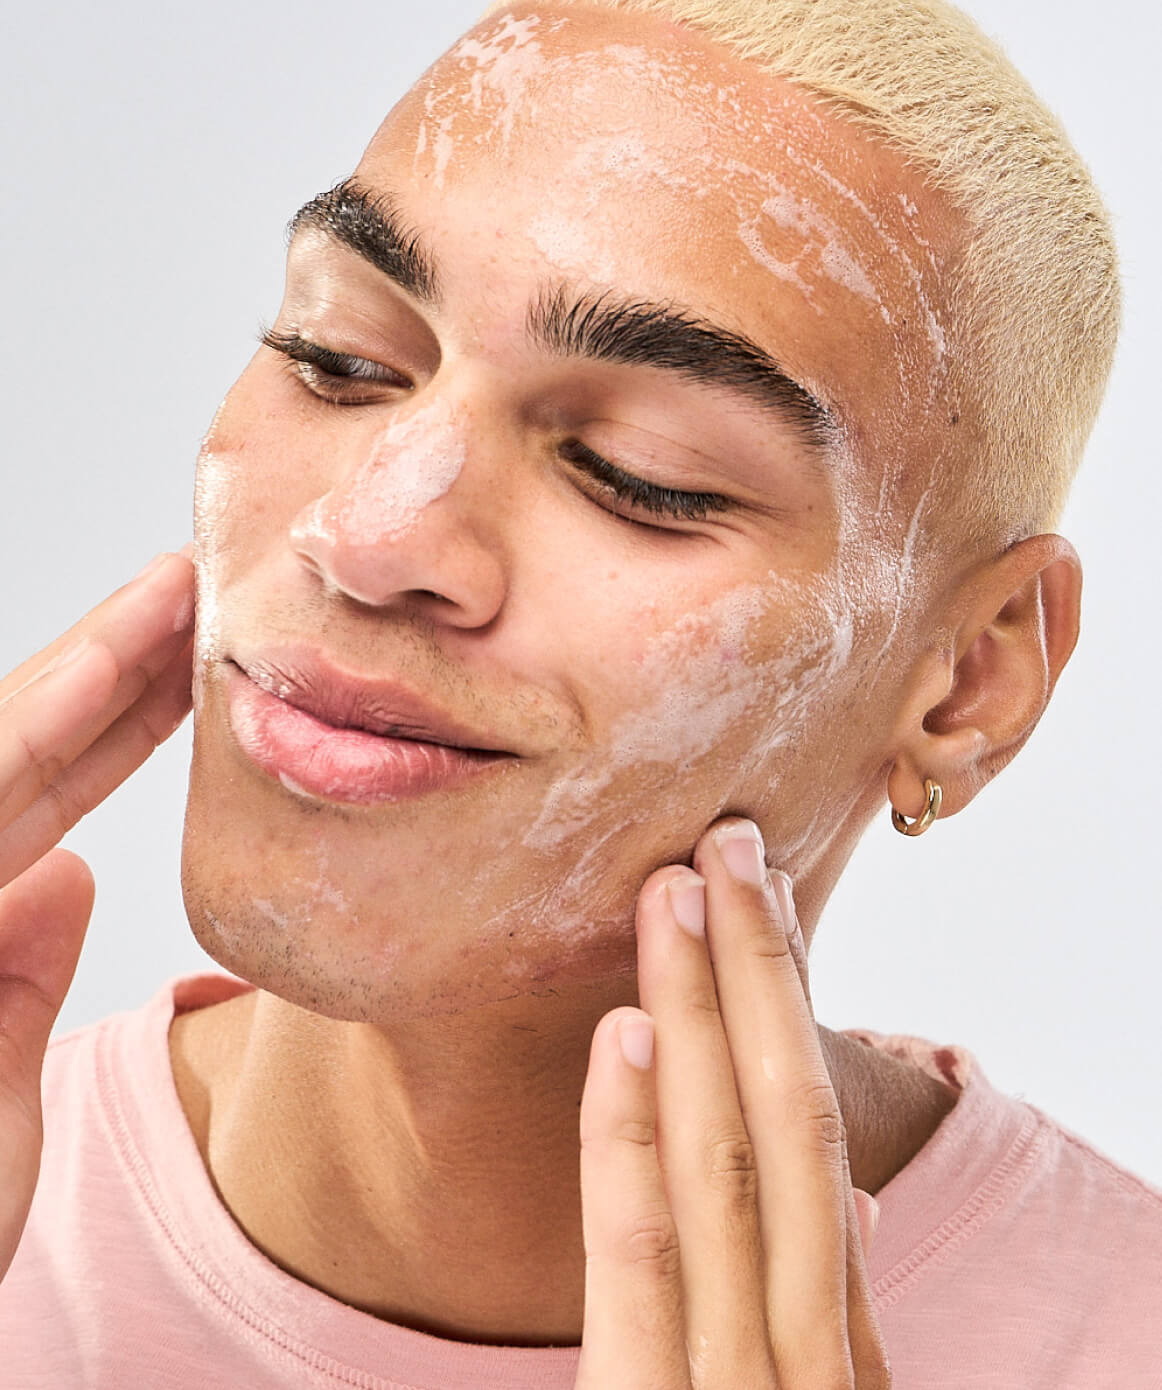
[392,1116]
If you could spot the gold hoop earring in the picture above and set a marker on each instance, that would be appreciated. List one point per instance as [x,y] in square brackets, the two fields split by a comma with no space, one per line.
[935,794]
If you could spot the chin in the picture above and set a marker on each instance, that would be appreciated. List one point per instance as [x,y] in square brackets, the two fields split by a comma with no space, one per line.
[289,928]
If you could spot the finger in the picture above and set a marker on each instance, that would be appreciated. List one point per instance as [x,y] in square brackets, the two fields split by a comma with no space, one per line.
[633,1335]
[46,723]
[43,917]
[783,890]
[38,720]
[113,620]
[789,1106]
[868,1211]
[707,1159]
[101,768]
[865,1337]
[869,1355]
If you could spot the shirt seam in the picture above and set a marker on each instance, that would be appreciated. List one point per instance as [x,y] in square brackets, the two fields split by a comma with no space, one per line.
[1133,1185]
[973,1214]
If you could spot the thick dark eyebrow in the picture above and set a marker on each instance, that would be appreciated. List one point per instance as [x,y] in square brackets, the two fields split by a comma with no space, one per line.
[605,327]
[600,326]
[370,225]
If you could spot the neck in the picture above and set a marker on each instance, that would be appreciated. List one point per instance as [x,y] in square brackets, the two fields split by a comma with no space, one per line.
[431,1177]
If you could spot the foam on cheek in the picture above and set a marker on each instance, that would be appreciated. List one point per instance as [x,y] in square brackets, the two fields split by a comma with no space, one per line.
[213,488]
[703,688]
[413,462]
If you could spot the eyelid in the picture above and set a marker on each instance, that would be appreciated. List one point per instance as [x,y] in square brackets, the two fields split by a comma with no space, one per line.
[651,498]
[337,365]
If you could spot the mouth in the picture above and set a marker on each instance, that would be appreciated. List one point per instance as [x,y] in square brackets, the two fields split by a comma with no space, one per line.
[327,735]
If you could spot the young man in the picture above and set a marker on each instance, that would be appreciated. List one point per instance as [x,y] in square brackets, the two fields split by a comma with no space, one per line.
[649,476]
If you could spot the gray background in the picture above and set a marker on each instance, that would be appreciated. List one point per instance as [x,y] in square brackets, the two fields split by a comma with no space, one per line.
[152,157]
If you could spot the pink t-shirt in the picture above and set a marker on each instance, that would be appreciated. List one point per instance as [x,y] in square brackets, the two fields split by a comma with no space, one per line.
[1010,1253]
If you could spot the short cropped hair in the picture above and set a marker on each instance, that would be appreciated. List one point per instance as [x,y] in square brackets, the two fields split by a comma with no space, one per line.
[1037,301]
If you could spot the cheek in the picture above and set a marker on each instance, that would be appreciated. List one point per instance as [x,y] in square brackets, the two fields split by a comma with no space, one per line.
[709,705]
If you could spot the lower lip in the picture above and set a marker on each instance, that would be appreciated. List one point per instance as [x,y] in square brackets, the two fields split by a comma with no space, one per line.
[308,756]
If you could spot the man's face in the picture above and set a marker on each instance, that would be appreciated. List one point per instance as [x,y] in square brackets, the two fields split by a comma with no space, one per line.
[603,199]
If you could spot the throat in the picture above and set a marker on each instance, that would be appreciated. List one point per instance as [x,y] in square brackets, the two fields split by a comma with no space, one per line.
[891,1108]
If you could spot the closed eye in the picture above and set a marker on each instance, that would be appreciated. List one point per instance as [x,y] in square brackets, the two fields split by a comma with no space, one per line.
[345,379]
[643,496]
[339,377]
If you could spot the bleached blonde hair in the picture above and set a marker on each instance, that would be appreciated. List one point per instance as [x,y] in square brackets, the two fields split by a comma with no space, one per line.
[1037,301]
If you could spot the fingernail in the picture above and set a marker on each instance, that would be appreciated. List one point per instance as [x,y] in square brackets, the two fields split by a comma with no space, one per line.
[154,564]
[187,550]
[636,1036]
[69,655]
[688,903]
[741,847]
[784,896]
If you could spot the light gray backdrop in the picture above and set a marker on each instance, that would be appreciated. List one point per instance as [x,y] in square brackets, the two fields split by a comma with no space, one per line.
[152,155]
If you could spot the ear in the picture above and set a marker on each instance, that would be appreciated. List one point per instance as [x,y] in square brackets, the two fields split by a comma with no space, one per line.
[1014,626]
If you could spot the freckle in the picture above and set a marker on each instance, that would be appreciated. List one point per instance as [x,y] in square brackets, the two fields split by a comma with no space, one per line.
[954,418]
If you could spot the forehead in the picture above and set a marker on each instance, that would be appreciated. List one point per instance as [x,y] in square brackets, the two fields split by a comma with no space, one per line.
[624,151]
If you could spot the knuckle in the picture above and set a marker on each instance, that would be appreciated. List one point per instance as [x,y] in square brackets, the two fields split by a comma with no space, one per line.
[43,768]
[154,737]
[651,1243]
[771,944]
[638,1132]
[732,1166]
[63,810]
[811,1106]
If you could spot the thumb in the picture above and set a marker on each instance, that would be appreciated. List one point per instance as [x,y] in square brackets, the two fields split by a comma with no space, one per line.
[868,1211]
[43,916]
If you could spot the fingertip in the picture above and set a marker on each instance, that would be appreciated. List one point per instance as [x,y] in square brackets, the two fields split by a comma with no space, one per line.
[635,1036]
[868,1213]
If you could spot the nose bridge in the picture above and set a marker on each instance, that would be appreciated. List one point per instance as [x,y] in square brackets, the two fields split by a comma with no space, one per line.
[365,535]
[411,463]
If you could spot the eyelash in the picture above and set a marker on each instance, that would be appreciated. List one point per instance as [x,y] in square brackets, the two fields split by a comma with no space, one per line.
[320,369]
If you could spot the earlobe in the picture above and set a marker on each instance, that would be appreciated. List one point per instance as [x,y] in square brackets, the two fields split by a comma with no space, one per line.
[1017,629]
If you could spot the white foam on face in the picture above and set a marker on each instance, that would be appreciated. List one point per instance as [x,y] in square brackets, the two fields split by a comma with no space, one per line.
[302,897]
[707,680]
[414,462]
[214,484]
[820,237]
[704,687]
[500,62]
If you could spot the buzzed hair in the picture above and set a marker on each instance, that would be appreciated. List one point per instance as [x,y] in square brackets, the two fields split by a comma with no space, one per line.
[1036,303]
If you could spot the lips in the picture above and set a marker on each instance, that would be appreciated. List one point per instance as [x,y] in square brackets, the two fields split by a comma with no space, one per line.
[327,734]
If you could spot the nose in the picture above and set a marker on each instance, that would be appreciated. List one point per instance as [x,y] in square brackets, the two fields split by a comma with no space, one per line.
[399,528]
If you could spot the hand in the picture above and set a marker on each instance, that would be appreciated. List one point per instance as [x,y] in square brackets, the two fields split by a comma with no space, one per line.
[722,1240]
[75,721]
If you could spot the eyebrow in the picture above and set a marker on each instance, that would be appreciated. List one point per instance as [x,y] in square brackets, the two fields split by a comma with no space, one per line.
[370,224]
[607,327]
[601,326]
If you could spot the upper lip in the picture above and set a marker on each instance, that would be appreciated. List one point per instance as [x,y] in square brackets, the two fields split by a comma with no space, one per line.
[310,681]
